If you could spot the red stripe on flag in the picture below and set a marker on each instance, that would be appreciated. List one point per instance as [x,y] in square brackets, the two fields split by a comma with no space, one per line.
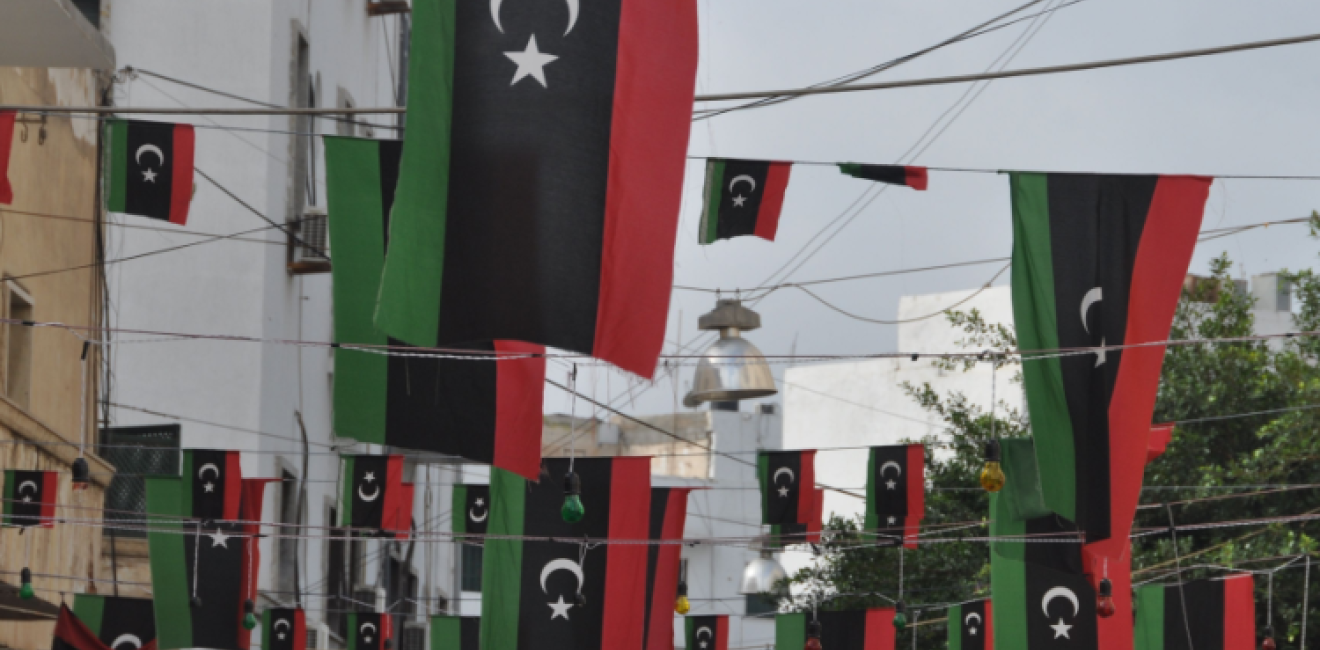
[915,177]
[1160,436]
[879,629]
[772,200]
[253,493]
[1161,264]
[386,629]
[74,633]
[807,487]
[233,486]
[989,625]
[721,633]
[916,482]
[1239,612]
[519,394]
[389,516]
[50,492]
[660,634]
[653,89]
[299,629]
[7,119]
[625,564]
[403,515]
[181,173]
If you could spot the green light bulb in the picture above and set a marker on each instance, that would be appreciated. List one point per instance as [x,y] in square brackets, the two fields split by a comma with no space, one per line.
[249,621]
[900,616]
[26,592]
[573,511]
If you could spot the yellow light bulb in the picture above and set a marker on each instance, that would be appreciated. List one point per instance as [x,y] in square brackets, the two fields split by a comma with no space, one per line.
[992,477]
[682,606]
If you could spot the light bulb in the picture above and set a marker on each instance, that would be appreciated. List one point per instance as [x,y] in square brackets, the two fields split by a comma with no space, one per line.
[1104,605]
[249,615]
[1268,642]
[81,474]
[992,476]
[813,636]
[900,616]
[573,510]
[26,592]
[682,605]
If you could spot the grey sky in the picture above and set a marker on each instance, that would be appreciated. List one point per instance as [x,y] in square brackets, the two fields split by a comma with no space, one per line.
[1245,113]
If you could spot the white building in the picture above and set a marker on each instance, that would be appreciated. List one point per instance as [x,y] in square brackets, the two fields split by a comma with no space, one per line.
[272,401]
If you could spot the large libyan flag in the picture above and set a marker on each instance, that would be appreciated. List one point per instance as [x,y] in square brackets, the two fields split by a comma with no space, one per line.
[1219,615]
[535,564]
[542,173]
[487,411]
[868,629]
[106,623]
[1098,260]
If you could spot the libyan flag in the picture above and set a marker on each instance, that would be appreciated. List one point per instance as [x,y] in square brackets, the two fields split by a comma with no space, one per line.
[742,197]
[455,633]
[541,181]
[706,632]
[151,169]
[970,626]
[1098,260]
[106,623]
[283,628]
[805,532]
[369,631]
[1042,599]
[668,516]
[530,586]
[376,500]
[787,480]
[472,510]
[488,411]
[913,177]
[1220,615]
[896,490]
[213,560]
[871,629]
[7,119]
[30,498]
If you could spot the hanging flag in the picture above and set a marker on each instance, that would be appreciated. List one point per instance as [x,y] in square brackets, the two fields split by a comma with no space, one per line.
[369,631]
[151,169]
[283,628]
[541,183]
[870,629]
[30,498]
[971,627]
[530,594]
[807,532]
[896,490]
[455,633]
[473,502]
[7,119]
[106,623]
[1041,597]
[375,497]
[913,177]
[200,571]
[214,484]
[787,478]
[668,515]
[1098,261]
[488,411]
[1220,615]
[706,632]
[742,197]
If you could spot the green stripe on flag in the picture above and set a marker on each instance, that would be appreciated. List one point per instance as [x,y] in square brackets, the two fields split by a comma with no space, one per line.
[346,506]
[1008,578]
[953,620]
[790,631]
[89,609]
[689,622]
[446,633]
[169,583]
[710,215]
[1150,618]
[459,506]
[1036,320]
[501,567]
[409,307]
[352,631]
[118,164]
[357,231]
[266,622]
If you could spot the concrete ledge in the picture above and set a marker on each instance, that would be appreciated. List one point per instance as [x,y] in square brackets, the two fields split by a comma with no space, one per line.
[23,425]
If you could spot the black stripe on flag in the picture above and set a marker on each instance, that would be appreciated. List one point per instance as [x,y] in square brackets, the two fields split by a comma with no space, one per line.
[782,486]
[842,630]
[149,181]
[972,625]
[369,472]
[1205,611]
[891,480]
[218,558]
[26,506]
[477,509]
[444,405]
[391,151]
[127,616]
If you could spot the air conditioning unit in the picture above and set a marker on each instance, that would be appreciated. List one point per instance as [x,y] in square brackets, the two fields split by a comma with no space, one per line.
[369,599]
[318,637]
[309,243]
[413,636]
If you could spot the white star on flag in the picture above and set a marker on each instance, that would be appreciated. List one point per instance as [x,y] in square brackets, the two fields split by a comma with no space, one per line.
[891,484]
[531,63]
[783,492]
[148,176]
[210,487]
[219,538]
[481,502]
[1061,629]
[559,609]
[371,476]
[739,200]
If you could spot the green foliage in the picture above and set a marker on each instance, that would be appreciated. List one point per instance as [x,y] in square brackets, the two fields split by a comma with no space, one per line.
[1277,380]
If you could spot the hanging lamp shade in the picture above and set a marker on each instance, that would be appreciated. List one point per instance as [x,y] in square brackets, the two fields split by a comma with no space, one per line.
[764,575]
[731,368]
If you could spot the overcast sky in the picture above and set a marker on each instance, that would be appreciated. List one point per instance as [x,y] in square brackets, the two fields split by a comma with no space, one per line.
[1243,113]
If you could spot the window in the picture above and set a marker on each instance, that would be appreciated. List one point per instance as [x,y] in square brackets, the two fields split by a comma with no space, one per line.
[18,347]
[470,565]
[136,452]
[761,604]
[287,553]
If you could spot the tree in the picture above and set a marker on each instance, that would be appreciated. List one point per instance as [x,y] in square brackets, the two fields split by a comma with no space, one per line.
[1248,414]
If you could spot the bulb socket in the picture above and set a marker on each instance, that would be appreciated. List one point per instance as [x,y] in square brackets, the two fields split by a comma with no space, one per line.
[249,607]
[82,474]
[682,588]
[1106,587]
[813,630]
[25,576]
[580,600]
[992,451]
[572,484]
